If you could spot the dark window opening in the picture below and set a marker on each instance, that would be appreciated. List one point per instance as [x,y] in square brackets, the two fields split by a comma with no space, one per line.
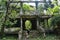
[33,21]
[17,23]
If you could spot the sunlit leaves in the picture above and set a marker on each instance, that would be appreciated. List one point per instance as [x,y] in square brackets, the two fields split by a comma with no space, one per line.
[27,7]
[53,10]
[13,14]
[50,11]
[56,9]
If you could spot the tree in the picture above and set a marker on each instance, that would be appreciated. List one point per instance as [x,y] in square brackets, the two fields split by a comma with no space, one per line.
[54,10]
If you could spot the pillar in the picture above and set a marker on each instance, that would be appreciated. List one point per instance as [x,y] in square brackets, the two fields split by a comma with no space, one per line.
[21,25]
[20,32]
[37,23]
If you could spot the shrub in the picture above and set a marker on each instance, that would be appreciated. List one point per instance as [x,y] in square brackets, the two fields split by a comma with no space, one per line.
[28,24]
[55,20]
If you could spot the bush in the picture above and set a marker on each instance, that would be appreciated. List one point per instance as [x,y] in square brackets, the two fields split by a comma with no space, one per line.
[28,24]
[55,20]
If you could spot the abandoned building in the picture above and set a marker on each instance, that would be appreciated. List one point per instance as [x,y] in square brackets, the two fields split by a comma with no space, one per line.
[34,16]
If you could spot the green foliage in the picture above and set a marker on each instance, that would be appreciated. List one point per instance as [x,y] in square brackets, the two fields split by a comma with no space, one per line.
[49,22]
[27,7]
[53,10]
[48,37]
[9,38]
[15,5]
[50,11]
[2,13]
[55,2]
[1,18]
[8,23]
[40,9]
[11,18]
[55,20]
[13,14]
[2,2]
[56,9]
[28,24]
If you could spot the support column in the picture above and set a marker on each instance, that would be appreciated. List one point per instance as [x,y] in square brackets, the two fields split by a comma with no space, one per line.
[21,25]
[20,32]
[37,23]
[47,23]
